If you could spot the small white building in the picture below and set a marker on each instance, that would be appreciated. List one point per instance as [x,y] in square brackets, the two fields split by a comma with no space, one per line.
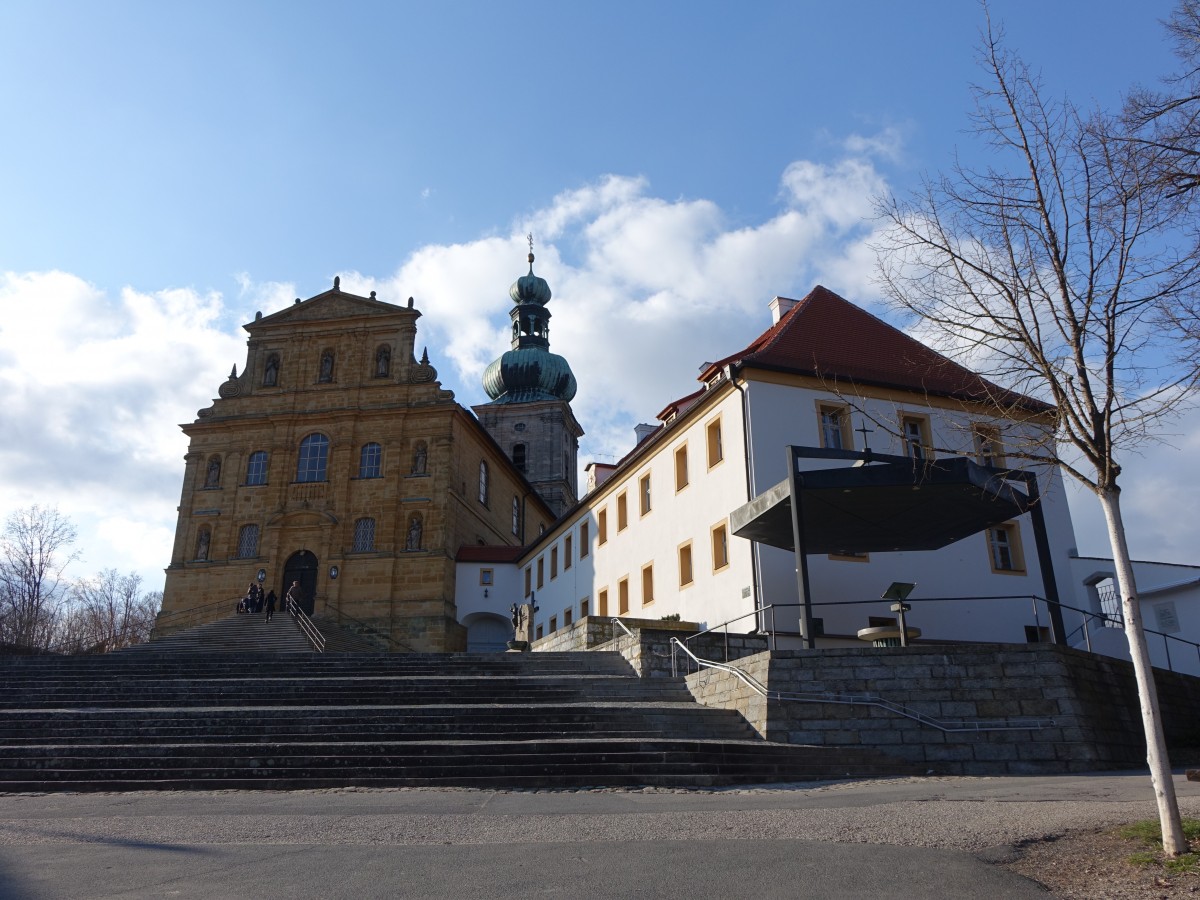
[652,536]
[1170,601]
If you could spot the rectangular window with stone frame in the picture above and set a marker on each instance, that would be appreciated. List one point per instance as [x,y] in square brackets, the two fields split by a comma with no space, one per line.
[247,547]
[364,535]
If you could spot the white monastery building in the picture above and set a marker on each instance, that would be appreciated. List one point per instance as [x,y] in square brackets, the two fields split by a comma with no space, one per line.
[652,537]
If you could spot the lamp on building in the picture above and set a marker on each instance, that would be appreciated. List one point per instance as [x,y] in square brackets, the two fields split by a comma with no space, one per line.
[261,576]
[333,573]
[898,592]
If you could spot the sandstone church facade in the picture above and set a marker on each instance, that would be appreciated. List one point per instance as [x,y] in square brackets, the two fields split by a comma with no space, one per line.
[336,459]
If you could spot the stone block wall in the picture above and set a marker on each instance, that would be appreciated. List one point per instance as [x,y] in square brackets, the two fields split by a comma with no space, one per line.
[648,648]
[582,634]
[1091,700]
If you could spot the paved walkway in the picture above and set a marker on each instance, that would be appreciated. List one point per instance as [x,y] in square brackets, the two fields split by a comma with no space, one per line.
[920,837]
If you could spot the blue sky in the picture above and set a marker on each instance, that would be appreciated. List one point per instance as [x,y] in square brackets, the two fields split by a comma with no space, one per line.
[167,169]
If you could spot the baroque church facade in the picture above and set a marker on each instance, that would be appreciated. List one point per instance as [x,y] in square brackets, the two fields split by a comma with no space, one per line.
[336,459]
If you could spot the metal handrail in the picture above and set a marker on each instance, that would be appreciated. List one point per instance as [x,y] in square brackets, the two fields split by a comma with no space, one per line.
[306,625]
[617,621]
[1086,613]
[948,725]
[163,614]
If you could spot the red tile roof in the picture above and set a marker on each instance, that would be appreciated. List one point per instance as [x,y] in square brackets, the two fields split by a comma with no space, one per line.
[498,553]
[827,336]
[680,406]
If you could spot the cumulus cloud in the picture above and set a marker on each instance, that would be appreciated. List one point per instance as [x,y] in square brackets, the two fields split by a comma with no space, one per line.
[1159,499]
[645,290]
[94,388]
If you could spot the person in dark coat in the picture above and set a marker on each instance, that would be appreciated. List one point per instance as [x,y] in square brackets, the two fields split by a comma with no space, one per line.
[270,604]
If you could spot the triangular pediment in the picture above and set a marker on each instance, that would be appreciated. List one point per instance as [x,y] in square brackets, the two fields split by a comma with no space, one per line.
[330,306]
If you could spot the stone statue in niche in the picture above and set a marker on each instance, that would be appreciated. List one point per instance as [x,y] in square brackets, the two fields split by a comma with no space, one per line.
[212,478]
[271,372]
[383,362]
[326,374]
[420,458]
[414,534]
[202,544]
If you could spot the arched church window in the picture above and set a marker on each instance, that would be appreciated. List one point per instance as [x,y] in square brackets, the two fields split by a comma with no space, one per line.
[420,458]
[516,516]
[256,468]
[212,475]
[325,374]
[483,482]
[203,540]
[518,457]
[271,371]
[383,361]
[314,456]
[370,461]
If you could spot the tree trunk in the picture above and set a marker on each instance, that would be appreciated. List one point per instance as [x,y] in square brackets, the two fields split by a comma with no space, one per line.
[1174,842]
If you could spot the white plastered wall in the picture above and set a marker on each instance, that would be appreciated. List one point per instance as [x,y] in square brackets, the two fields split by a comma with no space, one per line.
[783,414]
[675,517]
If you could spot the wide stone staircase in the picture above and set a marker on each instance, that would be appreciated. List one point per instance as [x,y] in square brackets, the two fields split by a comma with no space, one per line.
[234,633]
[285,720]
[253,633]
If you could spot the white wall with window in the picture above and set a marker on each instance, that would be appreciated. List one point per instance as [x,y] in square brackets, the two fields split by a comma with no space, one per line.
[680,485]
[1169,594]
[999,563]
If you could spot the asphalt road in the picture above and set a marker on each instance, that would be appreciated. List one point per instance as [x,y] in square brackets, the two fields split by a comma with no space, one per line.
[920,837]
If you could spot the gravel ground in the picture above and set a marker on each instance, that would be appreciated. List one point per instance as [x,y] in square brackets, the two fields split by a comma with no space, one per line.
[1093,865]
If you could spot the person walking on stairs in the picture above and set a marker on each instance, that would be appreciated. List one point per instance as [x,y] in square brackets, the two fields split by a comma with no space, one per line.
[270,605]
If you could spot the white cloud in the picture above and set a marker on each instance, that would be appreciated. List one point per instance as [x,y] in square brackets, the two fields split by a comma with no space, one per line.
[1159,499]
[94,389]
[645,290]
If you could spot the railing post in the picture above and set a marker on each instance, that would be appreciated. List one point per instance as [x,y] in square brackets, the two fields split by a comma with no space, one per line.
[1087,635]
[773,645]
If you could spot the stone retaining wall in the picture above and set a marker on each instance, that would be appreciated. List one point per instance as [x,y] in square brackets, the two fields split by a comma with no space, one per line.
[1091,699]
[648,648]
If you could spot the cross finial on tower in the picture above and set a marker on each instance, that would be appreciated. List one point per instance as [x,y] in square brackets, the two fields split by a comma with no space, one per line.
[529,237]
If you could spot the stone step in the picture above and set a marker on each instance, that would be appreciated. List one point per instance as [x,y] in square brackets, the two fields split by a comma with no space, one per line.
[284,720]
[214,729]
[436,759]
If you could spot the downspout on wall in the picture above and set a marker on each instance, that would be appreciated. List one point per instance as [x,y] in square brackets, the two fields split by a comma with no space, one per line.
[731,374]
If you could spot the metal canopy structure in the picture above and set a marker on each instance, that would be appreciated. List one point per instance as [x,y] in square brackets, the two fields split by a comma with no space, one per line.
[889,503]
[885,507]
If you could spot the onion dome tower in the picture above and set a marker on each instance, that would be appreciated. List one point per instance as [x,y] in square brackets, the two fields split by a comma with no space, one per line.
[529,371]
[531,391]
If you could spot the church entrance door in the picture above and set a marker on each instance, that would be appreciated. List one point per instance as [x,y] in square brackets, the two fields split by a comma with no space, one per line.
[301,566]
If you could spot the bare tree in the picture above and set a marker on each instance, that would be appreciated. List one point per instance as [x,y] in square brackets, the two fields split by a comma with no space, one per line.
[1165,124]
[35,549]
[1059,272]
[109,612]
[1163,128]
